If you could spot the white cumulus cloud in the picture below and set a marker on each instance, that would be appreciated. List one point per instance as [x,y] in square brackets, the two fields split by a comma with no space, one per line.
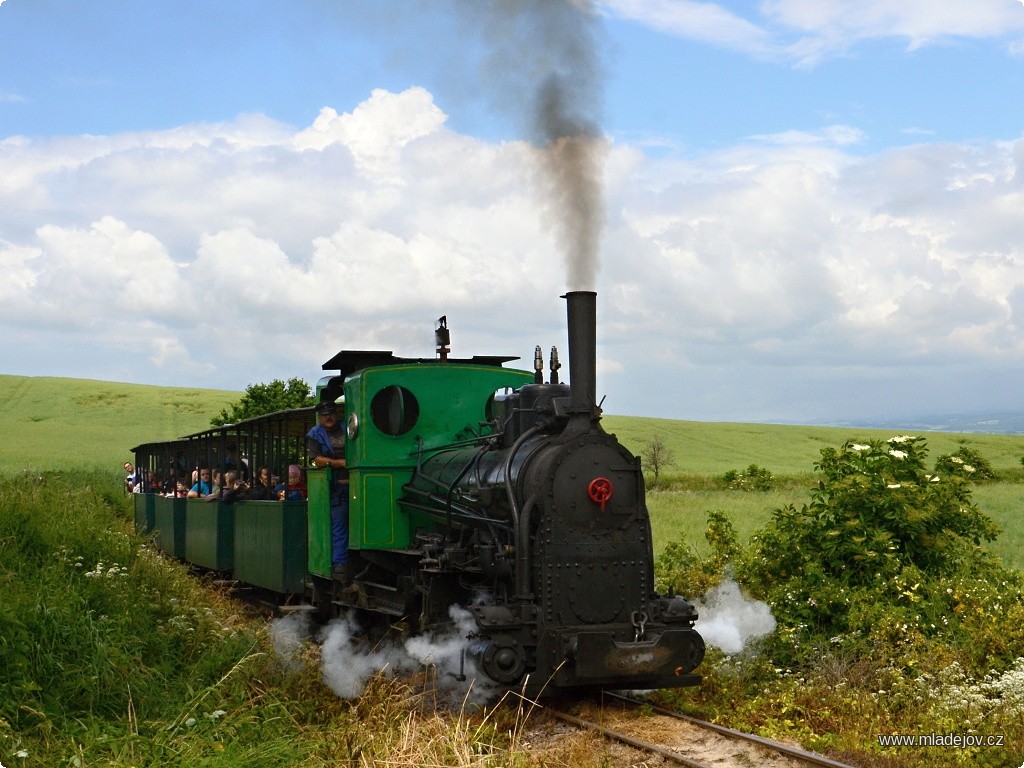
[753,281]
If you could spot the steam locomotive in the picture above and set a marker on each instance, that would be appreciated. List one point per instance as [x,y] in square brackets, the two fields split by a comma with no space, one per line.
[470,484]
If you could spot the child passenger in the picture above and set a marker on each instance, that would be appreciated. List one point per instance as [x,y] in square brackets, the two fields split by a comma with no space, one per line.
[295,490]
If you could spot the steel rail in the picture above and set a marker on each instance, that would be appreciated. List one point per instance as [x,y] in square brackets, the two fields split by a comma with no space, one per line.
[644,746]
[775,746]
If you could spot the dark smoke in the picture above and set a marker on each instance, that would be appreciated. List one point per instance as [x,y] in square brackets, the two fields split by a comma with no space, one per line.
[536,62]
[571,160]
[544,63]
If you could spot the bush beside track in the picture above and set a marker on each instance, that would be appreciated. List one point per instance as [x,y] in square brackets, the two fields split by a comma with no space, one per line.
[893,620]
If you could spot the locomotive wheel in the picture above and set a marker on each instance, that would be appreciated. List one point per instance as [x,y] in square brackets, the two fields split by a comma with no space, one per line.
[503,659]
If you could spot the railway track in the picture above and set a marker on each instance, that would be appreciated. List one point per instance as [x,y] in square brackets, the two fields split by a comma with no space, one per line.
[682,740]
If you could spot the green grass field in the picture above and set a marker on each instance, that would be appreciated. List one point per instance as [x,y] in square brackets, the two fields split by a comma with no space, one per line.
[789,452]
[55,423]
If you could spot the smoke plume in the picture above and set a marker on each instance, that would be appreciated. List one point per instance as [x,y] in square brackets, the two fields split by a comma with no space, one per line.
[536,63]
[541,66]
[729,619]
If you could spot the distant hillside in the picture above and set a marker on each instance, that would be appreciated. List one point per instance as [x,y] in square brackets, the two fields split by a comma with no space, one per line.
[50,423]
[711,448]
[1001,423]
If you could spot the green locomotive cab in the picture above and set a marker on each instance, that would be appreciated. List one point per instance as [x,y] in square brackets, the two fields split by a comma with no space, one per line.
[397,411]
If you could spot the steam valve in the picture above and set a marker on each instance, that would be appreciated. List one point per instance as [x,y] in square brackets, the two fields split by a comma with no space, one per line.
[600,491]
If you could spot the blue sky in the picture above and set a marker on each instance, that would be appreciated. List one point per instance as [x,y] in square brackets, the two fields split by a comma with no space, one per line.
[112,66]
[813,209]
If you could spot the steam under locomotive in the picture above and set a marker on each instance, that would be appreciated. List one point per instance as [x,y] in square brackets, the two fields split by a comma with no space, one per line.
[470,484]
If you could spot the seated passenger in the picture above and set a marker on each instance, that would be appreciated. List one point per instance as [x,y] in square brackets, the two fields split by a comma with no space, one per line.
[215,489]
[263,487]
[295,490]
[202,486]
[131,477]
[235,489]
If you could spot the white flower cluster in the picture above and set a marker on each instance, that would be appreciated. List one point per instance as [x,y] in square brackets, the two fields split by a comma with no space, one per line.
[112,572]
[213,717]
[952,693]
[1010,686]
[957,460]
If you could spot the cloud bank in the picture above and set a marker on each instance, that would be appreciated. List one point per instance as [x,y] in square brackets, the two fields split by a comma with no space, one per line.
[781,279]
[805,32]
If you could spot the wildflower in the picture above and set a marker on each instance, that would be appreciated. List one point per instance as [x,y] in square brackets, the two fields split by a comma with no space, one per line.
[893,485]
[859,447]
[22,753]
[901,439]
[968,468]
[898,454]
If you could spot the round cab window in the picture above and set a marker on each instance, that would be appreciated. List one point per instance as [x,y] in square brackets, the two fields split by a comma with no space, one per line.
[394,410]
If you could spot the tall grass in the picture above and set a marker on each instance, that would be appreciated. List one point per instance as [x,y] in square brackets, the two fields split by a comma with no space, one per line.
[114,656]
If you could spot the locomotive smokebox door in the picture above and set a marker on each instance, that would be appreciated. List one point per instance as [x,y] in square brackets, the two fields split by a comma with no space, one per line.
[596,489]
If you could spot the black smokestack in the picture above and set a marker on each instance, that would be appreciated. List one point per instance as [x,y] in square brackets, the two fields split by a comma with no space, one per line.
[581,309]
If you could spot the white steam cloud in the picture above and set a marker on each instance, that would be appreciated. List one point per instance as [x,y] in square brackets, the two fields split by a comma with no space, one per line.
[348,662]
[289,634]
[729,619]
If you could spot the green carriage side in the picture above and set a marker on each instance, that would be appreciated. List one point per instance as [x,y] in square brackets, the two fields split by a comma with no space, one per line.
[263,543]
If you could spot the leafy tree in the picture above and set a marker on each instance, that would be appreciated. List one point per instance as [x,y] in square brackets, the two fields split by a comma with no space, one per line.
[657,456]
[261,399]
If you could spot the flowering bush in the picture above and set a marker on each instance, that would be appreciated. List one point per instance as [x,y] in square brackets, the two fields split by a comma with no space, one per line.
[966,463]
[753,478]
[876,512]
[891,616]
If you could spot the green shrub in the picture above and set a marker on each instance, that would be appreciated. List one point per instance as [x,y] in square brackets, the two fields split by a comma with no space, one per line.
[679,569]
[966,463]
[892,618]
[753,478]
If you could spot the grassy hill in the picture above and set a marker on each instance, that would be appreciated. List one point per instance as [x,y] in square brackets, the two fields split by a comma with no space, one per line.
[55,423]
[712,448]
[706,449]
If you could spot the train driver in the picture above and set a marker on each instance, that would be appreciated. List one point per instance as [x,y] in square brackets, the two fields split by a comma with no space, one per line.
[326,445]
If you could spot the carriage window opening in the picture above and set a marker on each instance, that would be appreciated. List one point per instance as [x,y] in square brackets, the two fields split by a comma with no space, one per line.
[394,410]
